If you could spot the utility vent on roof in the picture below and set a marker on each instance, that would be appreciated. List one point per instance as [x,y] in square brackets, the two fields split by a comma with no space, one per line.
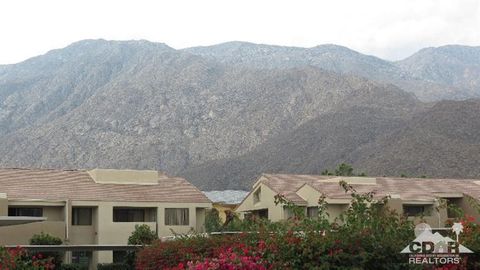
[353,180]
[124,177]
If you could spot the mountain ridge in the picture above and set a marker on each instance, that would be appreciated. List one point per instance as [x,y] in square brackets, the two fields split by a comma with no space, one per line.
[143,105]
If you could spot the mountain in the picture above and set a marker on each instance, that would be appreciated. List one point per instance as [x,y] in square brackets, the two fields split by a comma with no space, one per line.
[330,57]
[339,59]
[44,88]
[442,140]
[220,115]
[143,105]
[453,65]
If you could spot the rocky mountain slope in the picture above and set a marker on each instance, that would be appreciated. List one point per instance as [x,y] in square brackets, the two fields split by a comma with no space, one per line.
[443,141]
[436,141]
[114,104]
[219,115]
[452,65]
[426,74]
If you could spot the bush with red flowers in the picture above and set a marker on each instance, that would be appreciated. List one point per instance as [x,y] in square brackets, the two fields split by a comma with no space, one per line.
[470,236]
[368,235]
[19,259]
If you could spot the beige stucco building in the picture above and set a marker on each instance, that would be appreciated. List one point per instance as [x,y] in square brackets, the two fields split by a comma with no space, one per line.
[419,199]
[99,207]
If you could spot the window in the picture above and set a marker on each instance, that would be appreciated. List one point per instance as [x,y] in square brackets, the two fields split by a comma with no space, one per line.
[176,216]
[312,212]
[81,257]
[261,213]
[25,212]
[119,256]
[128,214]
[413,210]
[287,213]
[256,195]
[81,216]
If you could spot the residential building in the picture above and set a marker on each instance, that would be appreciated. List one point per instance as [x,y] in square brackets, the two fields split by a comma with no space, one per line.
[418,198]
[97,207]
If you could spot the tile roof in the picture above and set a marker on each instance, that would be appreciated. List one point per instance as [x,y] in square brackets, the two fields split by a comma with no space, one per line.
[287,184]
[406,188]
[45,184]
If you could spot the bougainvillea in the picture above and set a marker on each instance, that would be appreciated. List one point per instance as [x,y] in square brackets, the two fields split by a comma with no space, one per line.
[19,259]
[368,235]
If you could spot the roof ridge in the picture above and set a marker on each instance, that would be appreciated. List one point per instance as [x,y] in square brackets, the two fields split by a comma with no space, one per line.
[42,169]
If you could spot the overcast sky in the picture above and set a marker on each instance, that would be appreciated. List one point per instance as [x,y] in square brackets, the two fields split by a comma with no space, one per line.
[391,29]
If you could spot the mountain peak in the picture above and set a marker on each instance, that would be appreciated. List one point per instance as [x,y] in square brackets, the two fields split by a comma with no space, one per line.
[89,44]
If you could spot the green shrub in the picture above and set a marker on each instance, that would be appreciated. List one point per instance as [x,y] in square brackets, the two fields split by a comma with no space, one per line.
[46,239]
[142,235]
[368,235]
[212,221]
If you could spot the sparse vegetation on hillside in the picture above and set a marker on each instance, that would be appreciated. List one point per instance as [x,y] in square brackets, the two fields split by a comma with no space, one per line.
[214,116]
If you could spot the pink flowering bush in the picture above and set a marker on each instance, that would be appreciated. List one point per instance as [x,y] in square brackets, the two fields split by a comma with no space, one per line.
[19,259]
[223,252]
[228,259]
[368,235]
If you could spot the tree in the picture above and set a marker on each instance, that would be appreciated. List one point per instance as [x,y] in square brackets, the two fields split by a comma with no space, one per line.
[344,170]
[327,172]
[47,239]
[212,221]
[142,235]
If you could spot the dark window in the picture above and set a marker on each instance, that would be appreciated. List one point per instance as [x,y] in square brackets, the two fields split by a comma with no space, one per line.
[413,210]
[312,212]
[81,216]
[262,213]
[176,216]
[128,214]
[257,195]
[25,212]
[119,256]
[82,258]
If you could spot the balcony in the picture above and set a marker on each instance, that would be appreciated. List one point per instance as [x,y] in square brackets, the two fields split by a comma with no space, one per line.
[21,234]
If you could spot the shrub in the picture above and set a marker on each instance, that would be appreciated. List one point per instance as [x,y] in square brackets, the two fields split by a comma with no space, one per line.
[368,235]
[212,221]
[229,259]
[46,239]
[19,259]
[142,235]
[470,237]
[164,255]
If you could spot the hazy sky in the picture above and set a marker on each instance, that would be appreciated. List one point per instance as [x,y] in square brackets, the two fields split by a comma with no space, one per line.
[391,29]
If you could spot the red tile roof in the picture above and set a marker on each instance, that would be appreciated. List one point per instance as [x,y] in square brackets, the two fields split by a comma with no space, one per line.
[288,184]
[44,184]
[406,188]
